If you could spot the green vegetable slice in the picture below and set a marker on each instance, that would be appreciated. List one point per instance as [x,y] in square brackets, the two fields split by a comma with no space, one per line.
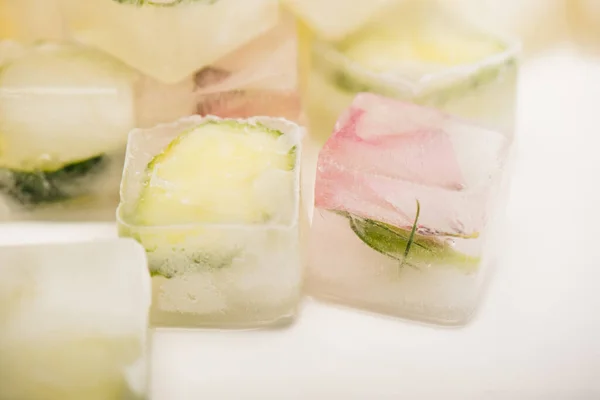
[43,187]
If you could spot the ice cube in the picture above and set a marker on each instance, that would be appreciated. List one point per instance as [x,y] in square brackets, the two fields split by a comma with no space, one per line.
[65,112]
[168,40]
[73,321]
[259,78]
[403,200]
[419,51]
[215,202]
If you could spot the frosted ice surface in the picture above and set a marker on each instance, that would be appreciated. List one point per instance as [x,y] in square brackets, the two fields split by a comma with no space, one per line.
[145,144]
[385,154]
[101,288]
[219,274]
[403,199]
[73,321]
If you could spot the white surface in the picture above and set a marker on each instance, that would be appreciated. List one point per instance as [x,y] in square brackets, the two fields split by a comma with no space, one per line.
[537,335]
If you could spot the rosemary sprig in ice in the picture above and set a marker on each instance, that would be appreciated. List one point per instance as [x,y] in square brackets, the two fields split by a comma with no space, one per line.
[409,247]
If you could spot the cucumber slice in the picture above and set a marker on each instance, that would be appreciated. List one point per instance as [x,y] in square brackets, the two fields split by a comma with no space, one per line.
[389,49]
[39,187]
[61,104]
[221,171]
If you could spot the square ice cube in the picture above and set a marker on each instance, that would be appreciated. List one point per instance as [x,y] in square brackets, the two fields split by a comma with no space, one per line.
[65,111]
[259,77]
[215,202]
[73,321]
[169,39]
[404,200]
[421,52]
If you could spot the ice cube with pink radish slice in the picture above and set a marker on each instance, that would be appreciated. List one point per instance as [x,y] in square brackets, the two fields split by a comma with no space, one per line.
[404,197]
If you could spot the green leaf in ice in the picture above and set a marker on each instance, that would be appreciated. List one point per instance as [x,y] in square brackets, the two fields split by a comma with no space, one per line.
[164,3]
[39,186]
[409,247]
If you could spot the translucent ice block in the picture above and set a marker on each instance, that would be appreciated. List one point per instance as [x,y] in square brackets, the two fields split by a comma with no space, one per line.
[403,202]
[65,112]
[215,202]
[30,20]
[73,321]
[258,78]
[416,52]
[169,39]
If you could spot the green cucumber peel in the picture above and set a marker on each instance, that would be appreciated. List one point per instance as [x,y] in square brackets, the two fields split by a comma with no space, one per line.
[236,125]
[346,83]
[45,187]
[349,81]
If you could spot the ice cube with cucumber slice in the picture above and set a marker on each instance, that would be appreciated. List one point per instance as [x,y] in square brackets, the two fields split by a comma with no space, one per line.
[215,203]
[65,111]
[236,172]
[209,174]
[412,59]
[428,57]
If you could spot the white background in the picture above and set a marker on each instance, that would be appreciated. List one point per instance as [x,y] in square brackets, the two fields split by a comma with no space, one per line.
[537,335]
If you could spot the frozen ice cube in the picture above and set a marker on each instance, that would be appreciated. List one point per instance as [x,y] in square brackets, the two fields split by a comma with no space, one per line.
[73,321]
[169,41]
[403,199]
[65,112]
[258,78]
[215,202]
[419,51]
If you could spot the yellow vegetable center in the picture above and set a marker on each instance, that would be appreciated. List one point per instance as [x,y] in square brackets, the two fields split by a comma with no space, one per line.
[389,49]
[210,175]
